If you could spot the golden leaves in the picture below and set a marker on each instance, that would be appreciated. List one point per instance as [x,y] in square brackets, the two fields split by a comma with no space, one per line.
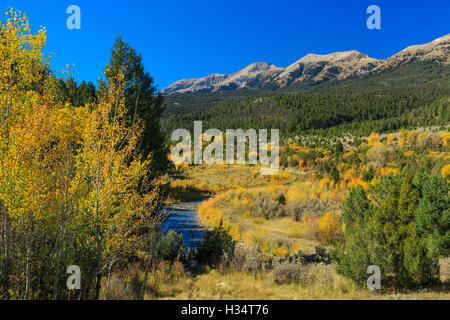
[61,162]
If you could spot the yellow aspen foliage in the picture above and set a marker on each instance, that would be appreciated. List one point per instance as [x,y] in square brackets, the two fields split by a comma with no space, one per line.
[403,138]
[446,172]
[373,139]
[410,153]
[330,229]
[445,136]
[391,139]
[350,156]
[69,176]
[280,251]
[412,138]
[387,171]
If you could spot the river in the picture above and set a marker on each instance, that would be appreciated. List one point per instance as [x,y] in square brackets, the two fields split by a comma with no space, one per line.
[183,218]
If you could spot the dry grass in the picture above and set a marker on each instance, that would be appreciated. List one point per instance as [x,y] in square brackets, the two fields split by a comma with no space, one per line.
[319,283]
[287,282]
[219,178]
[444,265]
[199,182]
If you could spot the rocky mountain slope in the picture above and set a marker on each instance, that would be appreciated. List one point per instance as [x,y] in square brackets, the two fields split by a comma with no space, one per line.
[437,50]
[314,68]
[318,68]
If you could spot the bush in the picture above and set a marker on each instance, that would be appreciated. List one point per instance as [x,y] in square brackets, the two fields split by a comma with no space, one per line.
[215,244]
[306,275]
[247,258]
[295,210]
[170,246]
[288,273]
[369,174]
[268,208]
[330,229]
[298,209]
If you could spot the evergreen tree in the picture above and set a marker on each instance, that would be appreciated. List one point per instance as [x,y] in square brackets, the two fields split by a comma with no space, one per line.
[334,173]
[78,96]
[87,93]
[355,258]
[433,213]
[384,233]
[142,103]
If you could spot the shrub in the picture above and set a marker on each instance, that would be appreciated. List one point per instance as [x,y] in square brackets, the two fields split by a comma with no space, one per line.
[215,244]
[334,173]
[298,209]
[295,210]
[380,155]
[330,229]
[170,246]
[268,208]
[288,273]
[248,258]
[446,172]
[280,198]
[369,174]
[306,275]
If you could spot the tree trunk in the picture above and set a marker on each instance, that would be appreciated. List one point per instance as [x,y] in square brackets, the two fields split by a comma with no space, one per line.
[147,266]
[58,261]
[109,277]
[98,285]
[6,258]
[28,273]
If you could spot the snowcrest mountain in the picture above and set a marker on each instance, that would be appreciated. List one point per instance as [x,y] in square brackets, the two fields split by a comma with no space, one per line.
[314,68]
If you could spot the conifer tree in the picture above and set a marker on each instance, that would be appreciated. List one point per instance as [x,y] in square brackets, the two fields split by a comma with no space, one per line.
[383,232]
[142,102]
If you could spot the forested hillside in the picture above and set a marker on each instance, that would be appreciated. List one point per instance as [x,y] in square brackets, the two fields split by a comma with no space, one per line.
[416,94]
[321,113]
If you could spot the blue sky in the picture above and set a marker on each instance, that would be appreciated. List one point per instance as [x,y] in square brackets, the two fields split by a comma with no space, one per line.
[193,38]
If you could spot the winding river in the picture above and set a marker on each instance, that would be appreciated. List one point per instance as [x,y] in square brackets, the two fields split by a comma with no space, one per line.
[183,218]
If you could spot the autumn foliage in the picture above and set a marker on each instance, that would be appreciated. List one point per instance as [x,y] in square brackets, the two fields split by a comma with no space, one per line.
[73,189]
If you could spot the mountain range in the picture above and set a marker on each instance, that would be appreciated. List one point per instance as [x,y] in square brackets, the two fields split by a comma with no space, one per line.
[314,68]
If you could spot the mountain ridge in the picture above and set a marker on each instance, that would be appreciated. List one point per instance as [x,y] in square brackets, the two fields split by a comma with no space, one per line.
[313,68]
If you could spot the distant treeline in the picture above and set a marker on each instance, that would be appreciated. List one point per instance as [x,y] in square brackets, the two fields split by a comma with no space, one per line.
[321,113]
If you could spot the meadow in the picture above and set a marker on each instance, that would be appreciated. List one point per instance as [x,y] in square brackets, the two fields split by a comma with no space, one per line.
[286,229]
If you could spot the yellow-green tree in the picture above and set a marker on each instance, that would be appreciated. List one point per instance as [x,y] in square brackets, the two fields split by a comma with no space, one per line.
[112,176]
[73,189]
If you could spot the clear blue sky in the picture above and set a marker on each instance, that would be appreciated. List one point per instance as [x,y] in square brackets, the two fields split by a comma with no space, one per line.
[193,38]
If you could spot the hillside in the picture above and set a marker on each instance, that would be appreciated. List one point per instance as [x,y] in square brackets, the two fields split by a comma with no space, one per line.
[356,105]
[322,113]
[314,69]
